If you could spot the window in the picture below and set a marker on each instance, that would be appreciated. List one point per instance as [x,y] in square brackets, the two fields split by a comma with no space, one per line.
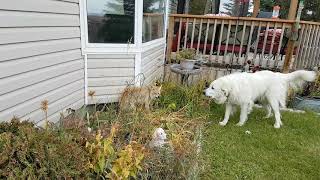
[111,21]
[153,19]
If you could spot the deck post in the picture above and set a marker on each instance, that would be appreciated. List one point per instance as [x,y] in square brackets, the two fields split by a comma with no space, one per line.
[291,43]
[256,8]
[170,38]
[293,9]
[289,54]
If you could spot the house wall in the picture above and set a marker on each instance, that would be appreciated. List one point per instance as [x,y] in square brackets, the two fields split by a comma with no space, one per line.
[152,63]
[40,58]
[108,75]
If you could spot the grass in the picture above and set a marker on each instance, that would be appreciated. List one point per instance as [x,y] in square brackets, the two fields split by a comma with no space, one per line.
[292,152]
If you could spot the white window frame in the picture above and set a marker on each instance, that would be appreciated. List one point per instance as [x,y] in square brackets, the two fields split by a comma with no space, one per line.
[108,47]
[117,48]
[163,38]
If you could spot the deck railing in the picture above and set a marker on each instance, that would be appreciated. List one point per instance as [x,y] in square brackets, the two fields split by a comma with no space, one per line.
[236,41]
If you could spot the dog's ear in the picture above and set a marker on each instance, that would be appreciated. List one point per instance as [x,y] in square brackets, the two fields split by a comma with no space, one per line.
[225,92]
[207,84]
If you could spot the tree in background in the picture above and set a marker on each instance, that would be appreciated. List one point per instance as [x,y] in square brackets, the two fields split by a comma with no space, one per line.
[237,8]
[311,11]
[197,7]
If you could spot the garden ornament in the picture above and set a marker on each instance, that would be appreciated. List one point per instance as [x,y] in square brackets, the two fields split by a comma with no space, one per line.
[158,138]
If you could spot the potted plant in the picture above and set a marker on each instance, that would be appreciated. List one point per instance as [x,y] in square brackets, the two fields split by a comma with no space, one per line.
[186,57]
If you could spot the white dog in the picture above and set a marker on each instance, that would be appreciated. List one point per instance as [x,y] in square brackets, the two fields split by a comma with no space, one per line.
[244,89]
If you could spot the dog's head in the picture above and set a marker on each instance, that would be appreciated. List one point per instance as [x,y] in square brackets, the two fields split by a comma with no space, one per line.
[155,91]
[218,91]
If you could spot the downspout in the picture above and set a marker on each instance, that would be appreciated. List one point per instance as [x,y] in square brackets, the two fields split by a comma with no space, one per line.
[83,44]
[85,79]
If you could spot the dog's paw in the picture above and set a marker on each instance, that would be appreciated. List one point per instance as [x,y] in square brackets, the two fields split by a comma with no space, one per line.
[222,123]
[277,125]
[239,124]
[267,116]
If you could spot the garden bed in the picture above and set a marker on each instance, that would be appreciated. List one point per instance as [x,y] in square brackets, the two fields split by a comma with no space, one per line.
[99,143]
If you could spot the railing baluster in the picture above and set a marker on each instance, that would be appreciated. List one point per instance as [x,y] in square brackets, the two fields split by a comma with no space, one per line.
[276,62]
[193,27]
[272,43]
[242,39]
[249,42]
[310,47]
[206,38]
[317,51]
[170,38]
[298,55]
[186,34]
[303,44]
[199,35]
[179,35]
[314,47]
[317,57]
[227,43]
[307,47]
[234,41]
[256,45]
[213,38]
[264,44]
[220,39]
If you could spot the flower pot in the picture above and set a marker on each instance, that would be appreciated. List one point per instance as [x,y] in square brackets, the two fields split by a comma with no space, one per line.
[187,64]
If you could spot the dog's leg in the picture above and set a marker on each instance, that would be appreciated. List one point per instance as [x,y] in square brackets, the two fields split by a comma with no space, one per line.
[243,114]
[226,115]
[275,107]
[269,112]
[147,106]
[250,107]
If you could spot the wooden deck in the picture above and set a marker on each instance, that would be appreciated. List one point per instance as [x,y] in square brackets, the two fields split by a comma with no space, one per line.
[237,40]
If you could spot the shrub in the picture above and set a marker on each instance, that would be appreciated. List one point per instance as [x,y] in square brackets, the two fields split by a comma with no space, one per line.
[186,54]
[33,153]
[174,97]
[116,147]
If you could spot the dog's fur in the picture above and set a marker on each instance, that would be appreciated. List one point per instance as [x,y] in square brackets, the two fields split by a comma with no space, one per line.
[133,97]
[243,89]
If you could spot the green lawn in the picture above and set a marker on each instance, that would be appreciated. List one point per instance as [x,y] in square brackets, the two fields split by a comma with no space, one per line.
[291,152]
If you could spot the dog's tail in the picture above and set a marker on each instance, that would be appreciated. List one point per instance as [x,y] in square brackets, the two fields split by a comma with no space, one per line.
[297,78]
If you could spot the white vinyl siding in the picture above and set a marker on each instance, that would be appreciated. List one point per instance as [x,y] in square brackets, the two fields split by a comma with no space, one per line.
[108,75]
[40,58]
[153,63]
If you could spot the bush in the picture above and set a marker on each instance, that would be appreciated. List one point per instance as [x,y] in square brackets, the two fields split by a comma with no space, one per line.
[33,153]
[174,97]
[99,143]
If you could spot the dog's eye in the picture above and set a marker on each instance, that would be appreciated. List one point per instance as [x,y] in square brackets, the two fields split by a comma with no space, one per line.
[212,87]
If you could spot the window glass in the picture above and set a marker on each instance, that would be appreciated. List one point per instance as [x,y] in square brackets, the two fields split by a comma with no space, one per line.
[111,21]
[153,19]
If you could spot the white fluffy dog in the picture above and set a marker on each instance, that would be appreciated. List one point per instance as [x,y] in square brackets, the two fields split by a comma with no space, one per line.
[243,89]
